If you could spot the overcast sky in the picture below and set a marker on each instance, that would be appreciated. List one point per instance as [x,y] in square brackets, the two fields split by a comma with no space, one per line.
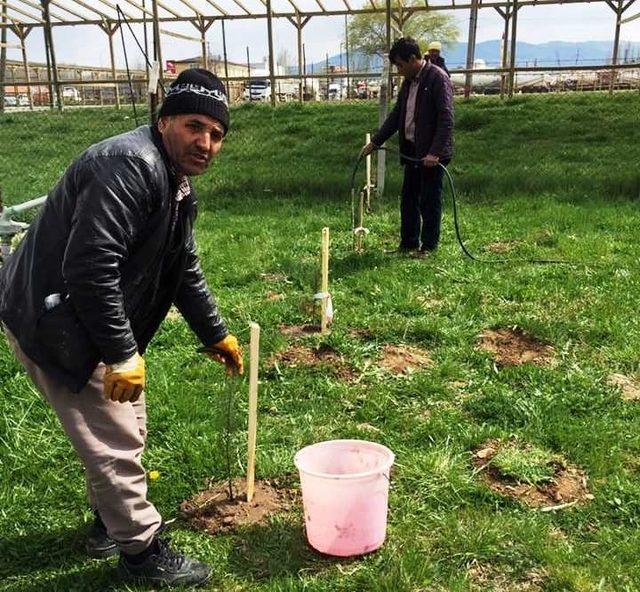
[88,44]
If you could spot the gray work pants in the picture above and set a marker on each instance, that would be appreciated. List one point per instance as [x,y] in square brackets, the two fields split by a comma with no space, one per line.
[109,438]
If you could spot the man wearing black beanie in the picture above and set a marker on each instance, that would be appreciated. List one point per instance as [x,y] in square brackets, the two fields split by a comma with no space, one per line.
[88,287]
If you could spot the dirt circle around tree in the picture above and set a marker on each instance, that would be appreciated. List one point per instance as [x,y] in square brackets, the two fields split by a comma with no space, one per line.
[567,486]
[322,356]
[299,331]
[512,346]
[403,359]
[398,360]
[215,512]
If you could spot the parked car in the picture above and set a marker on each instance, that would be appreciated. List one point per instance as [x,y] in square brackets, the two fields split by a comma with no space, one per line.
[23,100]
[71,94]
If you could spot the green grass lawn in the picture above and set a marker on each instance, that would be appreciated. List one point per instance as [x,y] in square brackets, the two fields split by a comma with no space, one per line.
[549,177]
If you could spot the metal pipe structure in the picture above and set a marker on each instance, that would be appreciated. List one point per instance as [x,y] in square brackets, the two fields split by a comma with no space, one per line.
[506,15]
[271,66]
[22,32]
[375,8]
[3,55]
[226,63]
[110,30]
[388,48]
[507,8]
[48,37]
[471,48]
[346,50]
[22,207]
[514,38]
[616,44]
[9,228]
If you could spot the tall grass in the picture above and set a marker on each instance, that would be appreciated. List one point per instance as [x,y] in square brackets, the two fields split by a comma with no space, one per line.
[530,174]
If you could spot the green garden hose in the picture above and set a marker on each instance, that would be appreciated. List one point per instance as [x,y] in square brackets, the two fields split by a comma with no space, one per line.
[464,248]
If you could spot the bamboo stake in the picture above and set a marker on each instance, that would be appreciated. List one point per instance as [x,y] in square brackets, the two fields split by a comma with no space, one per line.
[360,232]
[368,188]
[324,288]
[254,360]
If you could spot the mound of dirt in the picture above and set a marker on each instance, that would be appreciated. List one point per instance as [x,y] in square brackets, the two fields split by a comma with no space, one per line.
[403,359]
[511,346]
[322,356]
[212,510]
[629,387]
[298,331]
[502,246]
[567,487]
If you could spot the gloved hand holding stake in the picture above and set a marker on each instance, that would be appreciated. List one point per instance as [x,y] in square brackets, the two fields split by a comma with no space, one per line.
[125,381]
[228,352]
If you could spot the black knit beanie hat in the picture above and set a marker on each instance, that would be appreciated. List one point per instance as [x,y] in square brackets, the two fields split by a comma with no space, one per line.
[197,91]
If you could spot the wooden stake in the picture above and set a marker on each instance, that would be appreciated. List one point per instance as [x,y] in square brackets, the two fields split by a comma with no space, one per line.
[360,235]
[254,360]
[368,187]
[324,288]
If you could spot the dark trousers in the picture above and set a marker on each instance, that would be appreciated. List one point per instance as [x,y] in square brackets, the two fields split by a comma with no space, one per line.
[421,202]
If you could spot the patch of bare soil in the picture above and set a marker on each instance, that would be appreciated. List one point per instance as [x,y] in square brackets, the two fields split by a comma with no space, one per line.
[487,577]
[502,246]
[274,296]
[274,277]
[629,387]
[322,356]
[403,359]
[298,331]
[212,510]
[511,346]
[173,314]
[567,487]
[427,302]
[359,333]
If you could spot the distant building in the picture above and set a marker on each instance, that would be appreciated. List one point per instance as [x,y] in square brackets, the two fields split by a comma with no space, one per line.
[216,65]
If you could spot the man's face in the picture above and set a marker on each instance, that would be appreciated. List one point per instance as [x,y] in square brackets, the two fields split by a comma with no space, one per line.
[408,69]
[434,53]
[191,141]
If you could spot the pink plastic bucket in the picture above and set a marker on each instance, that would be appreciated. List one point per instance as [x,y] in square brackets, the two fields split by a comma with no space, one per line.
[345,492]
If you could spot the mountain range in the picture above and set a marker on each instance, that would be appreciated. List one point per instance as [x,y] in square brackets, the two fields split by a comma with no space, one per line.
[552,53]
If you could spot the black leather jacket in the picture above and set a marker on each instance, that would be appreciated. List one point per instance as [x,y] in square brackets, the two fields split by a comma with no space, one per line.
[112,240]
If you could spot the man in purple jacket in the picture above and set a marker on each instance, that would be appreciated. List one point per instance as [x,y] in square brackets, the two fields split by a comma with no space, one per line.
[423,116]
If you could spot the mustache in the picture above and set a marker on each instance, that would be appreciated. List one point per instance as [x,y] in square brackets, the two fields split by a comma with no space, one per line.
[200,154]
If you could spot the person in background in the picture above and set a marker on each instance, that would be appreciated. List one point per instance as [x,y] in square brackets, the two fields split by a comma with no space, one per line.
[423,116]
[87,288]
[434,56]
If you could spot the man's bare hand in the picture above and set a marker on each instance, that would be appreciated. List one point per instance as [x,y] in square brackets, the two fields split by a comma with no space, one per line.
[368,149]
[430,160]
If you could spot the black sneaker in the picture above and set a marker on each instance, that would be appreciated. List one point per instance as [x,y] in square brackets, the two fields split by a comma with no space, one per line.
[422,253]
[164,567]
[400,250]
[99,545]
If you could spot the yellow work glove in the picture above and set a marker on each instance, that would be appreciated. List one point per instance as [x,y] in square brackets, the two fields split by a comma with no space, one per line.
[125,381]
[228,352]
